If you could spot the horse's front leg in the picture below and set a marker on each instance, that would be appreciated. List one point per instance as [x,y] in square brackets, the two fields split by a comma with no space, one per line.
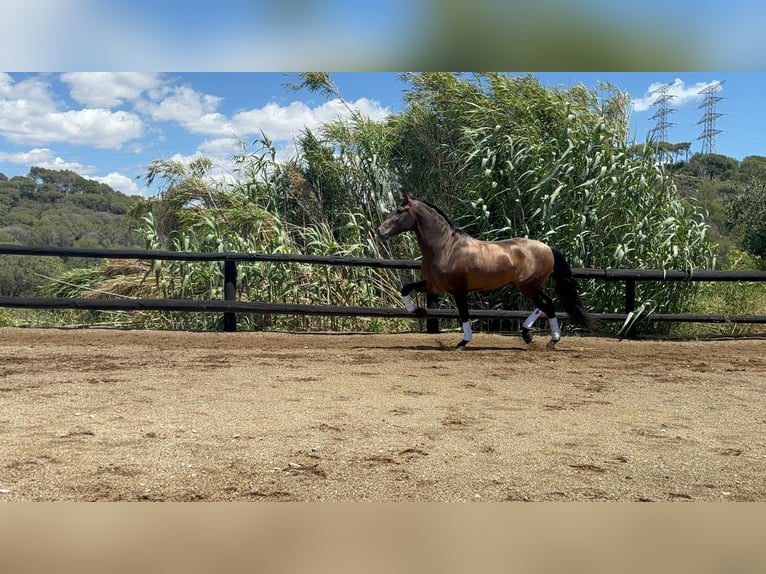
[461,300]
[409,304]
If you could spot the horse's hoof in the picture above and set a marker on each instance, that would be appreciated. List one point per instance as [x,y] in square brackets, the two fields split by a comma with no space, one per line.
[526,334]
[461,345]
[420,311]
[552,343]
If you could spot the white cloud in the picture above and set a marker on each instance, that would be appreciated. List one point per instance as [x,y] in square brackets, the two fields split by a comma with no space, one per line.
[44,157]
[371,108]
[193,110]
[96,127]
[680,92]
[34,91]
[198,113]
[281,123]
[28,115]
[121,183]
[109,89]
[277,122]
[219,149]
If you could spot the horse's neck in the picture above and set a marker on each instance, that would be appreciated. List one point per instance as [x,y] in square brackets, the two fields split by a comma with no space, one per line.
[434,235]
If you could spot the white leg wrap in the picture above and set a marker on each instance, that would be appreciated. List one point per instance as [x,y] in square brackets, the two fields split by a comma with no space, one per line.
[408,303]
[467,333]
[555,331]
[529,321]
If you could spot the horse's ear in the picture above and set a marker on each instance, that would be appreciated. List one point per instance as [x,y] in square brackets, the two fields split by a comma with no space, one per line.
[406,199]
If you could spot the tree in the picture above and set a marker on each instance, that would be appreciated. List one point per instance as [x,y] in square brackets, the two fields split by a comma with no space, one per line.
[753,166]
[21,275]
[746,213]
[713,166]
[61,209]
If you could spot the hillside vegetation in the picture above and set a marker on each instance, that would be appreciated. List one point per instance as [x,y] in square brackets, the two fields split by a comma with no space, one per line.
[57,209]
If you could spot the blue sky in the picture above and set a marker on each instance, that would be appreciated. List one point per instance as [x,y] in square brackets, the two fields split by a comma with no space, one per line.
[110,126]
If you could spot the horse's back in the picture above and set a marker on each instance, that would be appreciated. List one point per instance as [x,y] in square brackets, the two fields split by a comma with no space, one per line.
[532,262]
[528,251]
[492,264]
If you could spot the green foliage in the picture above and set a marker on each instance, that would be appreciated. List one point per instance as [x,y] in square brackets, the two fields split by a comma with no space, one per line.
[508,157]
[747,214]
[711,166]
[316,82]
[728,298]
[21,275]
[711,194]
[269,208]
[664,149]
[752,167]
[56,209]
[43,318]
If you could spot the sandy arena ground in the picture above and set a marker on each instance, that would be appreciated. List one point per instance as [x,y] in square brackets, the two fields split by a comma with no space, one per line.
[147,415]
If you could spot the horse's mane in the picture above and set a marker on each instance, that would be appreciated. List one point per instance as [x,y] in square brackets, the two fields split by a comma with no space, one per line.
[454,227]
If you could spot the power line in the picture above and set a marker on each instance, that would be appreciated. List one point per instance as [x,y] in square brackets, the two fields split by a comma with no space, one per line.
[708,119]
[659,133]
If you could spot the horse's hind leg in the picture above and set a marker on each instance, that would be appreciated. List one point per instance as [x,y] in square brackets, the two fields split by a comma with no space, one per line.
[526,326]
[461,300]
[544,304]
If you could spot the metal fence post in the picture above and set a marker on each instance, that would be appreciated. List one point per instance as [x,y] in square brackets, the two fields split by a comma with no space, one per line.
[229,294]
[630,304]
[630,295]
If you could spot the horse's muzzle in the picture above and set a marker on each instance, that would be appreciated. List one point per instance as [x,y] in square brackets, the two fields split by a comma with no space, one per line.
[383,234]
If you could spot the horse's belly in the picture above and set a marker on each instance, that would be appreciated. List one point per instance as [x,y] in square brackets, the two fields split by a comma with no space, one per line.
[488,279]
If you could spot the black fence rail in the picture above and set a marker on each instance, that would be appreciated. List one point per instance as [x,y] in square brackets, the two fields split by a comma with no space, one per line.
[229,306]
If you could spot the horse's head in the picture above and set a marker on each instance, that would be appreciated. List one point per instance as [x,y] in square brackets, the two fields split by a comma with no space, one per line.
[401,220]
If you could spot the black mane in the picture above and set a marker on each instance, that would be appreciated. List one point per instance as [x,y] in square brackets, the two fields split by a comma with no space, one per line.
[443,215]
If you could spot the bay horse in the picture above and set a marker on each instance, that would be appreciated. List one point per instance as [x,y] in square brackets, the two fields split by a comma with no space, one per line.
[454,262]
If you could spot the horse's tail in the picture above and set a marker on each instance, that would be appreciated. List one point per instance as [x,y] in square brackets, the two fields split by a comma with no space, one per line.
[566,288]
